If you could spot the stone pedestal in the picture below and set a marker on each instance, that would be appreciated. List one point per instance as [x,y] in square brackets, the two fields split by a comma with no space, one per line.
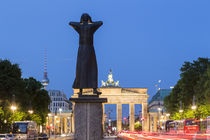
[88,114]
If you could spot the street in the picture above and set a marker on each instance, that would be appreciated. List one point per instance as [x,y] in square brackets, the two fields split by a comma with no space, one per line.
[71,138]
[145,136]
[166,136]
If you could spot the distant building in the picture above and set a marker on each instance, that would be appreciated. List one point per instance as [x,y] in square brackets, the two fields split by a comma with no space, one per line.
[157,114]
[58,100]
[157,100]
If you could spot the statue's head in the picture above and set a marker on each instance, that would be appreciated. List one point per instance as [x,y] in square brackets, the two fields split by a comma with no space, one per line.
[85,18]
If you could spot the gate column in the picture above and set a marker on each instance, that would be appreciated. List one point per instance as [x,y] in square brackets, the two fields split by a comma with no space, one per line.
[119,117]
[131,116]
[145,123]
[103,119]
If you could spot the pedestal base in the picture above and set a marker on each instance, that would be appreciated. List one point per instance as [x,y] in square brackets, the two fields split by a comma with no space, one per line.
[88,118]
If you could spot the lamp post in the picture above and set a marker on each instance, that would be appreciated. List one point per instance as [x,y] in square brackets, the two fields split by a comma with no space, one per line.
[13,108]
[158,85]
[180,107]
[167,116]
[71,115]
[68,123]
[30,111]
[159,109]
[60,110]
[49,124]
[193,106]
[57,122]
[54,123]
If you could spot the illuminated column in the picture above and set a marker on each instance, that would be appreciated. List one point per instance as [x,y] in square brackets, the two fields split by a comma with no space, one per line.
[155,123]
[65,125]
[103,110]
[145,122]
[72,122]
[131,116]
[61,124]
[119,117]
[69,124]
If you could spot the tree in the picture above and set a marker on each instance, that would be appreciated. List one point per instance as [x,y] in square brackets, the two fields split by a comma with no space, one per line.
[39,98]
[138,126]
[11,82]
[194,81]
[25,93]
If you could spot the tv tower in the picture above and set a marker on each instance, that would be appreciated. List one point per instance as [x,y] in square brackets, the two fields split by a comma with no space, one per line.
[45,80]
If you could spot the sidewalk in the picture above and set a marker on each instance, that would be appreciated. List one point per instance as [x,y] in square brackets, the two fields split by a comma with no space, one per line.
[58,137]
[71,138]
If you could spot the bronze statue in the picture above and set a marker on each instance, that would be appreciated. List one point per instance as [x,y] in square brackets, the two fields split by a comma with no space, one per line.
[86,70]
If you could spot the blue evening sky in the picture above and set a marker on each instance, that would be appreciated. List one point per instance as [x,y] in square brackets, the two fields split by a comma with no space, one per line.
[143,41]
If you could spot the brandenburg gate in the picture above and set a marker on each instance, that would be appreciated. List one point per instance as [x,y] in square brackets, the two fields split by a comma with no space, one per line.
[117,95]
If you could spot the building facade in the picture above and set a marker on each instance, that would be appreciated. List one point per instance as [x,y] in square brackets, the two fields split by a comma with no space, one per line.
[59,120]
[59,102]
[157,113]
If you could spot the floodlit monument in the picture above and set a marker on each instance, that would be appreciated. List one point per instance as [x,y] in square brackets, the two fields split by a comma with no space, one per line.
[87,108]
[118,95]
[89,100]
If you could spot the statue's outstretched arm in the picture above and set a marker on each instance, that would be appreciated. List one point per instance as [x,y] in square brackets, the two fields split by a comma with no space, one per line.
[96,25]
[75,25]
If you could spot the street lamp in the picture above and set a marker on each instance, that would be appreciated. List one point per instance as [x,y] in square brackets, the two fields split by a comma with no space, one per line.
[181,109]
[60,110]
[193,107]
[167,114]
[54,123]
[159,109]
[13,108]
[49,125]
[31,111]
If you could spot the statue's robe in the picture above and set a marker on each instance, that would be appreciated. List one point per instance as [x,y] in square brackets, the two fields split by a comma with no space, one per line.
[86,69]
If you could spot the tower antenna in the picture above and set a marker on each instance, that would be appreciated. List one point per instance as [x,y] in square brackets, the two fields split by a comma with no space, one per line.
[45,80]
